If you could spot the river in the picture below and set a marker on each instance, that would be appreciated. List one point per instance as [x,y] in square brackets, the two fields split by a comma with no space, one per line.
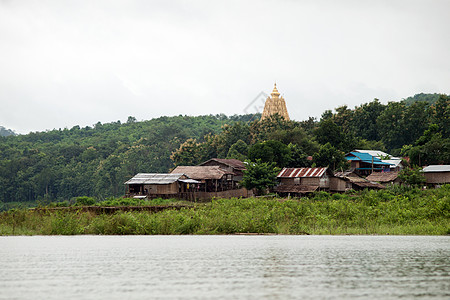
[224,267]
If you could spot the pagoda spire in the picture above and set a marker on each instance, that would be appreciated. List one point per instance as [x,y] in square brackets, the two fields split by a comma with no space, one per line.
[275,93]
[275,105]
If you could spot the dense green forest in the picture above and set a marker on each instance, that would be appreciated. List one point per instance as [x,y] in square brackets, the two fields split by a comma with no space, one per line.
[95,161]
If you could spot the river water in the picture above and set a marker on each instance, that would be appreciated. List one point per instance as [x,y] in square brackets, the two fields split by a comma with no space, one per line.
[224,267]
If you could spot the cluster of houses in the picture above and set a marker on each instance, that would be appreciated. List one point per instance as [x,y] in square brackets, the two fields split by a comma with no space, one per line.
[369,169]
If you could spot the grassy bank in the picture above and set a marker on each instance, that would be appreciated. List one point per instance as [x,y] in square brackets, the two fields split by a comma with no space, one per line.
[394,211]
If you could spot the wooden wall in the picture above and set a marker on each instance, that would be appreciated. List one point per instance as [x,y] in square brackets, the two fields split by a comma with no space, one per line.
[437,177]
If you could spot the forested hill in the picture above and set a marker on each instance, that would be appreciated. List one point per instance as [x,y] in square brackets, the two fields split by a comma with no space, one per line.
[6,132]
[61,164]
[428,98]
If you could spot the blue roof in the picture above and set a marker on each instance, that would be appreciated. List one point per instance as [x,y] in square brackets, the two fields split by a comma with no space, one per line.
[365,157]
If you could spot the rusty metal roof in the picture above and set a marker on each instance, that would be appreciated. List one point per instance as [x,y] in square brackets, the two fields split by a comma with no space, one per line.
[301,172]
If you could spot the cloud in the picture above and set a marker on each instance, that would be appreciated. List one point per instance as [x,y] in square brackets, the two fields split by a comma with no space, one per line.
[64,63]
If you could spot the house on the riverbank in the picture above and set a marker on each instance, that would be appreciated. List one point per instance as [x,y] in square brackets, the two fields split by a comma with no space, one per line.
[234,166]
[214,181]
[364,163]
[160,185]
[300,181]
[437,174]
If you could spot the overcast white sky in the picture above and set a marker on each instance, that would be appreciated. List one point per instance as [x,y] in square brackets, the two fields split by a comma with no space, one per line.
[66,63]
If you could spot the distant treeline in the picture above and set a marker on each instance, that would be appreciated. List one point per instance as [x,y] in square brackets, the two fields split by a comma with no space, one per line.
[96,161]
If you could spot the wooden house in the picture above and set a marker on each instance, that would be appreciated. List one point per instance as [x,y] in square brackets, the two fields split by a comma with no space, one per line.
[437,174]
[395,162]
[300,181]
[235,166]
[155,185]
[384,178]
[211,178]
[365,164]
[213,182]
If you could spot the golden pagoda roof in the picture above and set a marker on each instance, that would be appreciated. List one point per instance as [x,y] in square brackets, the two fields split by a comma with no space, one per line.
[275,92]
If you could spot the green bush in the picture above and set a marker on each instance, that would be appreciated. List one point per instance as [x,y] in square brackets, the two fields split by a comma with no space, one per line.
[84,201]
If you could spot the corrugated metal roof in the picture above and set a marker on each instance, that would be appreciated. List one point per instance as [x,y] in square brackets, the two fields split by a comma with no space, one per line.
[437,168]
[365,157]
[154,178]
[302,172]
[375,153]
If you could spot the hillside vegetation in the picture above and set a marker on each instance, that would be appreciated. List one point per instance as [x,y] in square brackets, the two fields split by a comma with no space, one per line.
[95,161]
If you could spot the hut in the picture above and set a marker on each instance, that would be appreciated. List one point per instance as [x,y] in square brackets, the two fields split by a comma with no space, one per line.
[156,185]
[437,174]
[349,180]
[300,181]
[384,178]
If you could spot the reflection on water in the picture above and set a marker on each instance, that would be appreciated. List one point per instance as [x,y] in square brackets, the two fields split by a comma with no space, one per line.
[224,267]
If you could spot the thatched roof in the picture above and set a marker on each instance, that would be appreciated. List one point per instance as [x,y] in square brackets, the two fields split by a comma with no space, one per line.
[201,172]
[234,163]
[382,176]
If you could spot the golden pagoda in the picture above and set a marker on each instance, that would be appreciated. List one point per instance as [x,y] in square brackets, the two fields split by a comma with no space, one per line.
[275,105]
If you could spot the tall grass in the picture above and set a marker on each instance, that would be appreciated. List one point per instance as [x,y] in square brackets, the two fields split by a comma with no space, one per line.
[411,211]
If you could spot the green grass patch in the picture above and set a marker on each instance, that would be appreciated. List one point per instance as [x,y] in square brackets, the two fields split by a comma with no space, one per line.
[390,211]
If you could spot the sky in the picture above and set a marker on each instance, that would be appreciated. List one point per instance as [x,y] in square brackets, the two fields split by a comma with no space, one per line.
[67,63]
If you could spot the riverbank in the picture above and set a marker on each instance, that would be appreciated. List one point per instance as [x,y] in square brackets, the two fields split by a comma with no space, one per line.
[391,211]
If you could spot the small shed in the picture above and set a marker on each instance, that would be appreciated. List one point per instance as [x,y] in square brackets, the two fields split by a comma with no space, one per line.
[152,185]
[384,178]
[437,174]
[355,182]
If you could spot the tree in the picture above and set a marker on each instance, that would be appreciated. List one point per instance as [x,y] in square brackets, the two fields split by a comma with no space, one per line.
[270,151]
[329,156]
[299,158]
[260,175]
[238,150]
[329,132]
[364,122]
[412,176]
